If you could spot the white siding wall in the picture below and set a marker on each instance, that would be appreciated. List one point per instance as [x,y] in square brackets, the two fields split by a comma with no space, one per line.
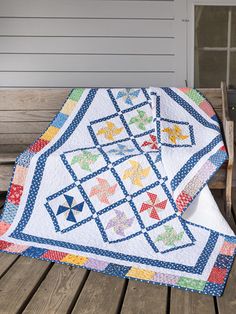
[66,43]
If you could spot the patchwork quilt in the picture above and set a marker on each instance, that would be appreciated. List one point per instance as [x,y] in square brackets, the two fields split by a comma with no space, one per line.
[118,184]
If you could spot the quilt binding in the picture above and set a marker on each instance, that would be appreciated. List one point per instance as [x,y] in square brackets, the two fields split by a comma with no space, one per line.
[217,279]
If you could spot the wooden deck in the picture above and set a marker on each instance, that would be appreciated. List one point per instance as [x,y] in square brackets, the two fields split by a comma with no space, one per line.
[33,286]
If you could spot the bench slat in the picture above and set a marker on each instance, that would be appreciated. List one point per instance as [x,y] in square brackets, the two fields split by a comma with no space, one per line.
[26,113]
[27,116]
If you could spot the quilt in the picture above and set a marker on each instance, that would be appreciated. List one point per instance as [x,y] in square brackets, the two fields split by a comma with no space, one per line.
[118,184]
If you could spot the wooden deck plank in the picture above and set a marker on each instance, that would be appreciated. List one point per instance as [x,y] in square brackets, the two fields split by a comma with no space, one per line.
[101,294]
[186,302]
[145,298]
[6,260]
[18,284]
[58,290]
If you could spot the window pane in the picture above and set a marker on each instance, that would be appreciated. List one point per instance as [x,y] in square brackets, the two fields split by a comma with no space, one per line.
[211,24]
[210,68]
[233,28]
[232,78]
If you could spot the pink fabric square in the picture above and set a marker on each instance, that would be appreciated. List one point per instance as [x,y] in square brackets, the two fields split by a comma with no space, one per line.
[3,227]
[228,248]
[206,107]
[16,248]
[20,175]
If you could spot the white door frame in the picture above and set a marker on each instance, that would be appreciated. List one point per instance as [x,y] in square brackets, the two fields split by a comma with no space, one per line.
[191,31]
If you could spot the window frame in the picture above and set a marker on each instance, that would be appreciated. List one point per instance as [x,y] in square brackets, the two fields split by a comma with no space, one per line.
[191,37]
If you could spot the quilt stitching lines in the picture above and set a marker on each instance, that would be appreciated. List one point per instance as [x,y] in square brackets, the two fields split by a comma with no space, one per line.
[179,100]
[205,287]
[196,269]
[126,194]
[176,135]
[135,173]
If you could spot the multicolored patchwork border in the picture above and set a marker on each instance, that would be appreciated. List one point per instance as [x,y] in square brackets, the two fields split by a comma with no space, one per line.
[200,101]
[215,283]
[210,167]
[194,187]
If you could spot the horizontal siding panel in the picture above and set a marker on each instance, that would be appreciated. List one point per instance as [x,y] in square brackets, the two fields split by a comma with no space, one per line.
[29,115]
[18,139]
[32,99]
[83,79]
[85,27]
[85,45]
[22,127]
[91,9]
[32,62]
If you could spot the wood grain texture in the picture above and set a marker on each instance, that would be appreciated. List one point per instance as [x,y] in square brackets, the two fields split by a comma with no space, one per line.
[57,291]
[101,294]
[186,302]
[5,176]
[142,298]
[27,116]
[19,283]
[6,260]
[16,139]
[7,158]
[16,149]
[32,99]
[22,127]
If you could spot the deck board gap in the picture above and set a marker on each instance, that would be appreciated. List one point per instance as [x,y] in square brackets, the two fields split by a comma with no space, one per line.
[216,305]
[122,296]
[168,300]
[80,288]
[6,270]
[35,288]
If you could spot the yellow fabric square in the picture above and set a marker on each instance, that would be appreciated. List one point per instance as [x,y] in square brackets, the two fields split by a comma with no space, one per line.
[140,273]
[50,133]
[74,259]
[68,107]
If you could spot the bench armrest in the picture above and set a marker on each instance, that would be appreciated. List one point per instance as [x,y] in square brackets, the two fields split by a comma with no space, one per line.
[228,127]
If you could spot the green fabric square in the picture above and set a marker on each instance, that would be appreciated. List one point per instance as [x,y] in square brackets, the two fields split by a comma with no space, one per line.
[76,94]
[195,96]
[190,283]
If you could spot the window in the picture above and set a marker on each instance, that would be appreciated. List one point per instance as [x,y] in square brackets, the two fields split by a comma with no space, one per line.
[215,46]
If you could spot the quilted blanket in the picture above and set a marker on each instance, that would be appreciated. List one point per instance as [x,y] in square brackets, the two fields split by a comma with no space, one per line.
[118,184]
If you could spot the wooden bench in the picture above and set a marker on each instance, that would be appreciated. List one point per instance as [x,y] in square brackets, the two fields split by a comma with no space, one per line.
[25,114]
